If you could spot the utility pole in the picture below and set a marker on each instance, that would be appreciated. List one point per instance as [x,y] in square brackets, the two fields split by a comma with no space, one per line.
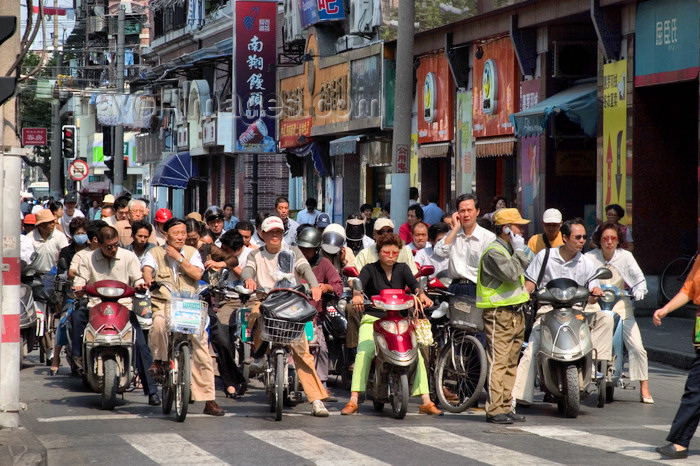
[118,153]
[56,159]
[401,143]
[10,179]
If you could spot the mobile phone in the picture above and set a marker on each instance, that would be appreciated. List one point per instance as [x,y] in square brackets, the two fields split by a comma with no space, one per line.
[508,231]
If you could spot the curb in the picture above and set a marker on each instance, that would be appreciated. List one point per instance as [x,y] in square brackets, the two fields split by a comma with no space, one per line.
[21,447]
[676,359]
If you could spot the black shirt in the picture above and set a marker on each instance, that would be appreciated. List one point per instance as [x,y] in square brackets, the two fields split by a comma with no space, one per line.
[374,279]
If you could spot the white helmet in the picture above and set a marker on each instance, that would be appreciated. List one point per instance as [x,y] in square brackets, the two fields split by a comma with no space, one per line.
[333,238]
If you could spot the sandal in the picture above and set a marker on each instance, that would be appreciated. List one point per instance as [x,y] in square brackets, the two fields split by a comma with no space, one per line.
[54,370]
[235,395]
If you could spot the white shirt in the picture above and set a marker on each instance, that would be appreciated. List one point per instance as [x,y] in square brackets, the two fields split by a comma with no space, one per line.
[579,269]
[465,252]
[47,250]
[625,263]
[26,248]
[243,257]
[65,220]
[255,240]
[149,260]
[427,256]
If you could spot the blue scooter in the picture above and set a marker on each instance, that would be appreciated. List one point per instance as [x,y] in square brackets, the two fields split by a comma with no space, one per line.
[611,296]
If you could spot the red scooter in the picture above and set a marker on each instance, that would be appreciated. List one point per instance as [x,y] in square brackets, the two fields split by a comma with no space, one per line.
[108,341]
[395,344]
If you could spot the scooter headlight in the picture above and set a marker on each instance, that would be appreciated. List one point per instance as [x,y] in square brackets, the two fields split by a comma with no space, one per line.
[381,342]
[608,296]
[565,294]
[110,292]
[378,304]
[563,317]
[389,326]
[403,326]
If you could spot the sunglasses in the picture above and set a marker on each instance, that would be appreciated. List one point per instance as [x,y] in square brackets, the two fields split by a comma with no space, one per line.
[579,237]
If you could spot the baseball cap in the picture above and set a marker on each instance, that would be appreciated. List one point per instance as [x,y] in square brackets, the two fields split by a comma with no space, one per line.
[30,219]
[551,216]
[383,223]
[272,223]
[71,197]
[163,215]
[195,215]
[108,199]
[323,220]
[506,216]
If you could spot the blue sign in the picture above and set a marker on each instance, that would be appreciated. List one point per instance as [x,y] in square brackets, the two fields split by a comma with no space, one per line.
[666,44]
[316,11]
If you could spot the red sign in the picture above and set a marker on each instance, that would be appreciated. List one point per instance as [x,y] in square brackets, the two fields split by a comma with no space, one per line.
[34,136]
[78,170]
[402,152]
[434,99]
[294,133]
[502,86]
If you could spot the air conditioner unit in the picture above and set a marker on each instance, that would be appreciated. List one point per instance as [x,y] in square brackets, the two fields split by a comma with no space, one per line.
[349,42]
[169,96]
[361,12]
[574,59]
[292,22]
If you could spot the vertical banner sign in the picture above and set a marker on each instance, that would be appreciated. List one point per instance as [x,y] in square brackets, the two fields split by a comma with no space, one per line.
[465,143]
[530,156]
[614,133]
[254,86]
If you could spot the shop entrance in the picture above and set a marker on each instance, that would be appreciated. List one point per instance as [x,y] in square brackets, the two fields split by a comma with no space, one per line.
[435,178]
[495,176]
[665,173]
[571,177]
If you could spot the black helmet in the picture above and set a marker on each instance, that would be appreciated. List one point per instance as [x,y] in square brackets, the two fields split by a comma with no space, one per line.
[213,213]
[309,237]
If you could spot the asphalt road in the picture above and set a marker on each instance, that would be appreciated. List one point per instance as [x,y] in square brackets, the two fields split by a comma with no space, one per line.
[67,420]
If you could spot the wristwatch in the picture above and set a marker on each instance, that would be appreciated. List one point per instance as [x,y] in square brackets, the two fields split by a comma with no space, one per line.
[181,260]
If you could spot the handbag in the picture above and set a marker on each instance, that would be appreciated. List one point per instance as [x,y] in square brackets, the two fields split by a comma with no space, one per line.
[421,325]
[288,304]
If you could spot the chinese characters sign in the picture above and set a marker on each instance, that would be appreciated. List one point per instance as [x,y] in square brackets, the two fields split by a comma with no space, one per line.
[254,83]
[294,133]
[614,133]
[315,11]
[34,136]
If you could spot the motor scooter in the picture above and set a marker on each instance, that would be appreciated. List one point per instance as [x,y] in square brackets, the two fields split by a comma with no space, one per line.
[108,341]
[395,344]
[567,359]
[28,318]
[611,296]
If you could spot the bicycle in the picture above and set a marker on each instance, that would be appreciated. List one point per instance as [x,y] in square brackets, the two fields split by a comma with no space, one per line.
[675,274]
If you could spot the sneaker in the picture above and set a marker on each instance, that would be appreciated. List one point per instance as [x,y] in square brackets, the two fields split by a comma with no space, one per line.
[318,409]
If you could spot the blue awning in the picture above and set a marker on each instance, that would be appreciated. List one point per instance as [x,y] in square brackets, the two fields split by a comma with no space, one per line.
[579,103]
[345,145]
[175,171]
[317,153]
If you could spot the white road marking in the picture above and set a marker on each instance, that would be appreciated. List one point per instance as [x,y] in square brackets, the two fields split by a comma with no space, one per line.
[600,442]
[465,447]
[170,449]
[312,448]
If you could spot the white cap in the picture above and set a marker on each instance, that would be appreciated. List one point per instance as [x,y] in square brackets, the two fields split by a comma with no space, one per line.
[551,216]
[271,223]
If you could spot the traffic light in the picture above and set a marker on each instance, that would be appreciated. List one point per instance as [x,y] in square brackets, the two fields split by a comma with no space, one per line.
[8,24]
[68,141]
[109,173]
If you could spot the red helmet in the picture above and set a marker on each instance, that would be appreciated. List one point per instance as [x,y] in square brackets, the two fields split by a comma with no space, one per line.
[163,215]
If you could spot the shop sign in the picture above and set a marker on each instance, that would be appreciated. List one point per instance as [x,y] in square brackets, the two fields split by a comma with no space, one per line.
[295,133]
[34,136]
[435,100]
[255,29]
[529,93]
[667,48]
[209,132]
[496,93]
[183,141]
[464,143]
[615,133]
[316,11]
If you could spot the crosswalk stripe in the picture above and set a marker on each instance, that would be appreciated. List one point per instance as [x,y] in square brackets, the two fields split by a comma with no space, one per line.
[601,442]
[465,447]
[170,449]
[312,448]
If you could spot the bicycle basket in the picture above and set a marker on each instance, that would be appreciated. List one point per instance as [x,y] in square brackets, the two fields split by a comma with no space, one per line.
[186,316]
[281,331]
[464,314]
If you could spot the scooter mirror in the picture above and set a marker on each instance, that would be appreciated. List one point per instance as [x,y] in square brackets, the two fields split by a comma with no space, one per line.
[425,271]
[223,275]
[603,273]
[240,289]
[350,271]
[356,285]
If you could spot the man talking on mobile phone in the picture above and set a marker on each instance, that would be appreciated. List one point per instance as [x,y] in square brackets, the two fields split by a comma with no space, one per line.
[501,293]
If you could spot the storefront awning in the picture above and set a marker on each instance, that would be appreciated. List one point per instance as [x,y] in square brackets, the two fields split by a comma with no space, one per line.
[579,103]
[494,147]
[434,150]
[175,171]
[296,155]
[344,146]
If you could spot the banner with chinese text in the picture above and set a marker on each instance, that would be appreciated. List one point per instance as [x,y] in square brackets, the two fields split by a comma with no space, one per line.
[254,85]
[615,133]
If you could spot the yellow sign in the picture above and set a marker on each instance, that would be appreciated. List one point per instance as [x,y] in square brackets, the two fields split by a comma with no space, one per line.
[615,133]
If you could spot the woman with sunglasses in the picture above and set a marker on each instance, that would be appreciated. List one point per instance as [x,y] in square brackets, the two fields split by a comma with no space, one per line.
[386,273]
[610,253]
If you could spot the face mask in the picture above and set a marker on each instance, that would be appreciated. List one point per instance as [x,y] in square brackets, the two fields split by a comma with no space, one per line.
[80,239]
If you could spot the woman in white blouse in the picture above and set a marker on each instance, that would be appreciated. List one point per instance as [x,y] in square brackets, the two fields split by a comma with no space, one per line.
[610,253]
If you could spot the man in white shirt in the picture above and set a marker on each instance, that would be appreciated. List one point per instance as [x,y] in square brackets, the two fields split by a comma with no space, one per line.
[309,215]
[47,241]
[290,225]
[464,245]
[69,212]
[427,256]
[563,262]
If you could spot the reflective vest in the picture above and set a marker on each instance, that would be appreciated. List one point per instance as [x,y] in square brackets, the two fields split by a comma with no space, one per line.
[507,293]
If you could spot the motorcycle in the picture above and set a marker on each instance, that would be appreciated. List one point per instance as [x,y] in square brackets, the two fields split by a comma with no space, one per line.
[611,296]
[334,324]
[28,318]
[566,359]
[396,347]
[64,329]
[108,342]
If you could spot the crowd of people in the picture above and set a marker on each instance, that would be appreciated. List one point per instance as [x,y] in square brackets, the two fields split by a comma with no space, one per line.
[486,257]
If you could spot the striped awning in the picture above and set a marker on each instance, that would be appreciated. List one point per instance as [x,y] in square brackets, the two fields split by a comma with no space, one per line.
[494,147]
[434,150]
